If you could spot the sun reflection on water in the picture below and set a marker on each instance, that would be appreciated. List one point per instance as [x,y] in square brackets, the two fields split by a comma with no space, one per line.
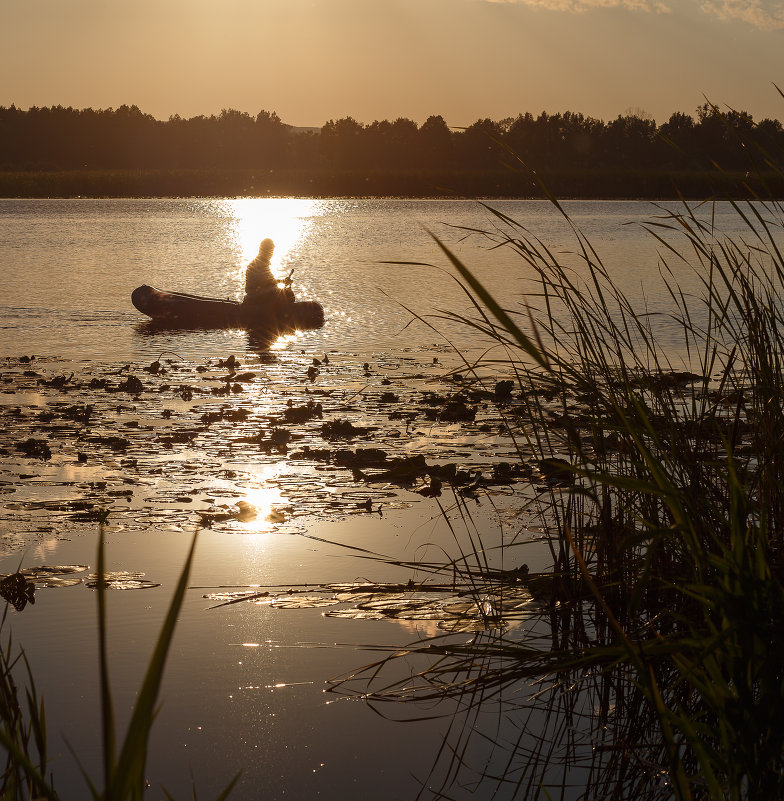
[266,503]
[284,340]
[286,221]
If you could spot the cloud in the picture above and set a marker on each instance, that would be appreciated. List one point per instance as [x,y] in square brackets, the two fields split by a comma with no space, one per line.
[764,14]
[760,14]
[656,6]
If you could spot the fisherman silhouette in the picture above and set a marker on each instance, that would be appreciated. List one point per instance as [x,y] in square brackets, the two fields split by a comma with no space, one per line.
[268,304]
[261,286]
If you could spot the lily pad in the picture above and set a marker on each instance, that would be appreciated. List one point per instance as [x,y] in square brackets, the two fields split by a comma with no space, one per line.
[303,602]
[365,587]
[357,597]
[461,607]
[237,595]
[228,598]
[125,584]
[45,572]
[395,605]
[356,614]
[428,612]
[56,581]
[276,516]
[120,580]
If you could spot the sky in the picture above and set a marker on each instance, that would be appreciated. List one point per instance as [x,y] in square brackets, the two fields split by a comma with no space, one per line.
[310,61]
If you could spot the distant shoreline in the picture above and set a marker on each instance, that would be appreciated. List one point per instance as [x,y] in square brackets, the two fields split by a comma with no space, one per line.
[600,184]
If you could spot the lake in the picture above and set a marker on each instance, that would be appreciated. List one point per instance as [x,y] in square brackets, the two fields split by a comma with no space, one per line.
[245,687]
[70,265]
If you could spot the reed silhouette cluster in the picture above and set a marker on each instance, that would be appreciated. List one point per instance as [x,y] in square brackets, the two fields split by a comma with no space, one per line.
[655,668]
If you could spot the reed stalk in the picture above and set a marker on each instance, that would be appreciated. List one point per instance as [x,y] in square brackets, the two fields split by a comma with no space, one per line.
[23,724]
[656,666]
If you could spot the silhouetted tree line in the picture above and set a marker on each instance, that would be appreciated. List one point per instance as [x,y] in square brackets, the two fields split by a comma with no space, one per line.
[569,145]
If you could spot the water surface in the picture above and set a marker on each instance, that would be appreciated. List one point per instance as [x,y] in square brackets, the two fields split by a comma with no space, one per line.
[245,686]
[69,266]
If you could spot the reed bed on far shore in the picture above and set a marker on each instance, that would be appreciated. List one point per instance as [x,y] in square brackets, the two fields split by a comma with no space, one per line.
[604,183]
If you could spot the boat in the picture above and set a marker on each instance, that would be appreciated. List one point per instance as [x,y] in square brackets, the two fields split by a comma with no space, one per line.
[181,309]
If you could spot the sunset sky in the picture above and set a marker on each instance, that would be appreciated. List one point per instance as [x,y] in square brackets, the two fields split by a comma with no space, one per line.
[314,60]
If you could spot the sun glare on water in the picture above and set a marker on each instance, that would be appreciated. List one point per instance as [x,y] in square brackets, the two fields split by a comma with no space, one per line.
[286,221]
[265,503]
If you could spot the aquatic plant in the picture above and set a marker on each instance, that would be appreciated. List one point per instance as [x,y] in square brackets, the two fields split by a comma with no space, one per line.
[658,670]
[23,726]
[22,735]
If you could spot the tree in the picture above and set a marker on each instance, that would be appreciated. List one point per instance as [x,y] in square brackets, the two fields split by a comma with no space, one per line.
[435,142]
[478,146]
[340,140]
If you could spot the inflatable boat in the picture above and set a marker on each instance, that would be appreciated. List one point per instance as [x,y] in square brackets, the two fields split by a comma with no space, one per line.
[194,311]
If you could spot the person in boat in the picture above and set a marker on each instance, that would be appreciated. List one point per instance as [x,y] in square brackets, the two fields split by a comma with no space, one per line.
[261,286]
